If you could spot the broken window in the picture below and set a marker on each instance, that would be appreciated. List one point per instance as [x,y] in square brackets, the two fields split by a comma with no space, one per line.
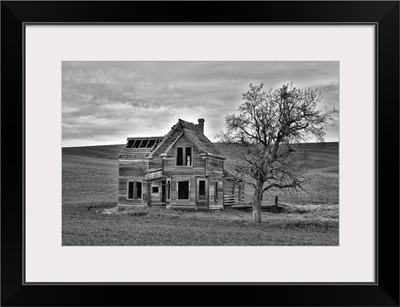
[184,156]
[188,156]
[130,190]
[179,156]
[151,143]
[134,190]
[154,189]
[138,190]
[216,191]
[130,143]
[143,142]
[183,189]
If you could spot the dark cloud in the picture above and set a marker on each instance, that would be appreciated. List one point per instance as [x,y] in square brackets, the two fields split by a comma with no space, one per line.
[108,101]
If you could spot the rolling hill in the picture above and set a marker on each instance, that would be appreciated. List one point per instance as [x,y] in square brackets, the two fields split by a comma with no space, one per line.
[318,157]
[101,151]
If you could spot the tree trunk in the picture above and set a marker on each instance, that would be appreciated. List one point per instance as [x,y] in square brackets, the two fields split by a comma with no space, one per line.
[257,204]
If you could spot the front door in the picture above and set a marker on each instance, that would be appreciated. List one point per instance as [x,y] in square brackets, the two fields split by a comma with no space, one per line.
[202,193]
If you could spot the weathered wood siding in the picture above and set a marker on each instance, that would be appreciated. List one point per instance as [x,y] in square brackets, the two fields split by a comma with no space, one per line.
[215,168]
[155,163]
[170,169]
[234,192]
[181,203]
[215,165]
[169,163]
[123,192]
[155,197]
[215,203]
[133,170]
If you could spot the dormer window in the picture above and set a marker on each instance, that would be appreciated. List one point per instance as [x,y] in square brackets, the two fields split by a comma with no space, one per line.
[184,156]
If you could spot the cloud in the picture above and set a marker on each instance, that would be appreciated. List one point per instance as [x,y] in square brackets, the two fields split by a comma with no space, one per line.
[108,101]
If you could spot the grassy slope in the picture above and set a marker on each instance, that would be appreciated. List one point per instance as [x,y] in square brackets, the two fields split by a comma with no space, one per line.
[318,157]
[104,152]
[87,179]
[90,181]
[322,165]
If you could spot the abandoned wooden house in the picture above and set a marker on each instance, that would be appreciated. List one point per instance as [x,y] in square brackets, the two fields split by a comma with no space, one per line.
[181,170]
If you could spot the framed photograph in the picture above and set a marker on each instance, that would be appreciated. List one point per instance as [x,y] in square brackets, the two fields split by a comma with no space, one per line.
[245,149]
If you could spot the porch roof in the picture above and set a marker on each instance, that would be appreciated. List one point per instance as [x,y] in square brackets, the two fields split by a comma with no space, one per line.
[154,176]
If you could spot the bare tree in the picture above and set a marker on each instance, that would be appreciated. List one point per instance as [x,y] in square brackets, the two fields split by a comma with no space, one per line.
[268,129]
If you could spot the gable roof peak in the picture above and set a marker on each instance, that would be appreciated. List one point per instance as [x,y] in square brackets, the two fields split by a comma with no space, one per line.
[194,133]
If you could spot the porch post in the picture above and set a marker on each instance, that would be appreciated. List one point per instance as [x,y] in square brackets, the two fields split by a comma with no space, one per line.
[149,193]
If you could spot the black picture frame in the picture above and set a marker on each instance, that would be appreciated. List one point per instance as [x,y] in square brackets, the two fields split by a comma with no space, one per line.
[383,14]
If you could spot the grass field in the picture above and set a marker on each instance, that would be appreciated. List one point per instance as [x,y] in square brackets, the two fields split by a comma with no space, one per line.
[90,176]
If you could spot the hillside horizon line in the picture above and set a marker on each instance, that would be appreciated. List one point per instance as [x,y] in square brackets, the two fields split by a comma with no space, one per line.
[103,145]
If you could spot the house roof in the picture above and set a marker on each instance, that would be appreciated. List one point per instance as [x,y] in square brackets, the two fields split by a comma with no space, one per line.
[204,145]
[192,132]
[140,147]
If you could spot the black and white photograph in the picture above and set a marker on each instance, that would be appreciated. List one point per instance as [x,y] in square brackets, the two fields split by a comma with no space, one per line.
[247,146]
[200,153]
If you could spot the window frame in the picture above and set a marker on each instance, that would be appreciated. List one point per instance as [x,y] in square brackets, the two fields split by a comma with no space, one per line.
[177,190]
[134,190]
[127,190]
[184,156]
[141,190]
[157,187]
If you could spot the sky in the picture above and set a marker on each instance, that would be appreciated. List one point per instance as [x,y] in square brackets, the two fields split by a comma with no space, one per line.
[103,103]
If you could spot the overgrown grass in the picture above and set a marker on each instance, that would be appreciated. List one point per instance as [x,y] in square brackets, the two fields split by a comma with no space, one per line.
[87,225]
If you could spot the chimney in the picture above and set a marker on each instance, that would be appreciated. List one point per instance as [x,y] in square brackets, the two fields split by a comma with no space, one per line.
[201,124]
